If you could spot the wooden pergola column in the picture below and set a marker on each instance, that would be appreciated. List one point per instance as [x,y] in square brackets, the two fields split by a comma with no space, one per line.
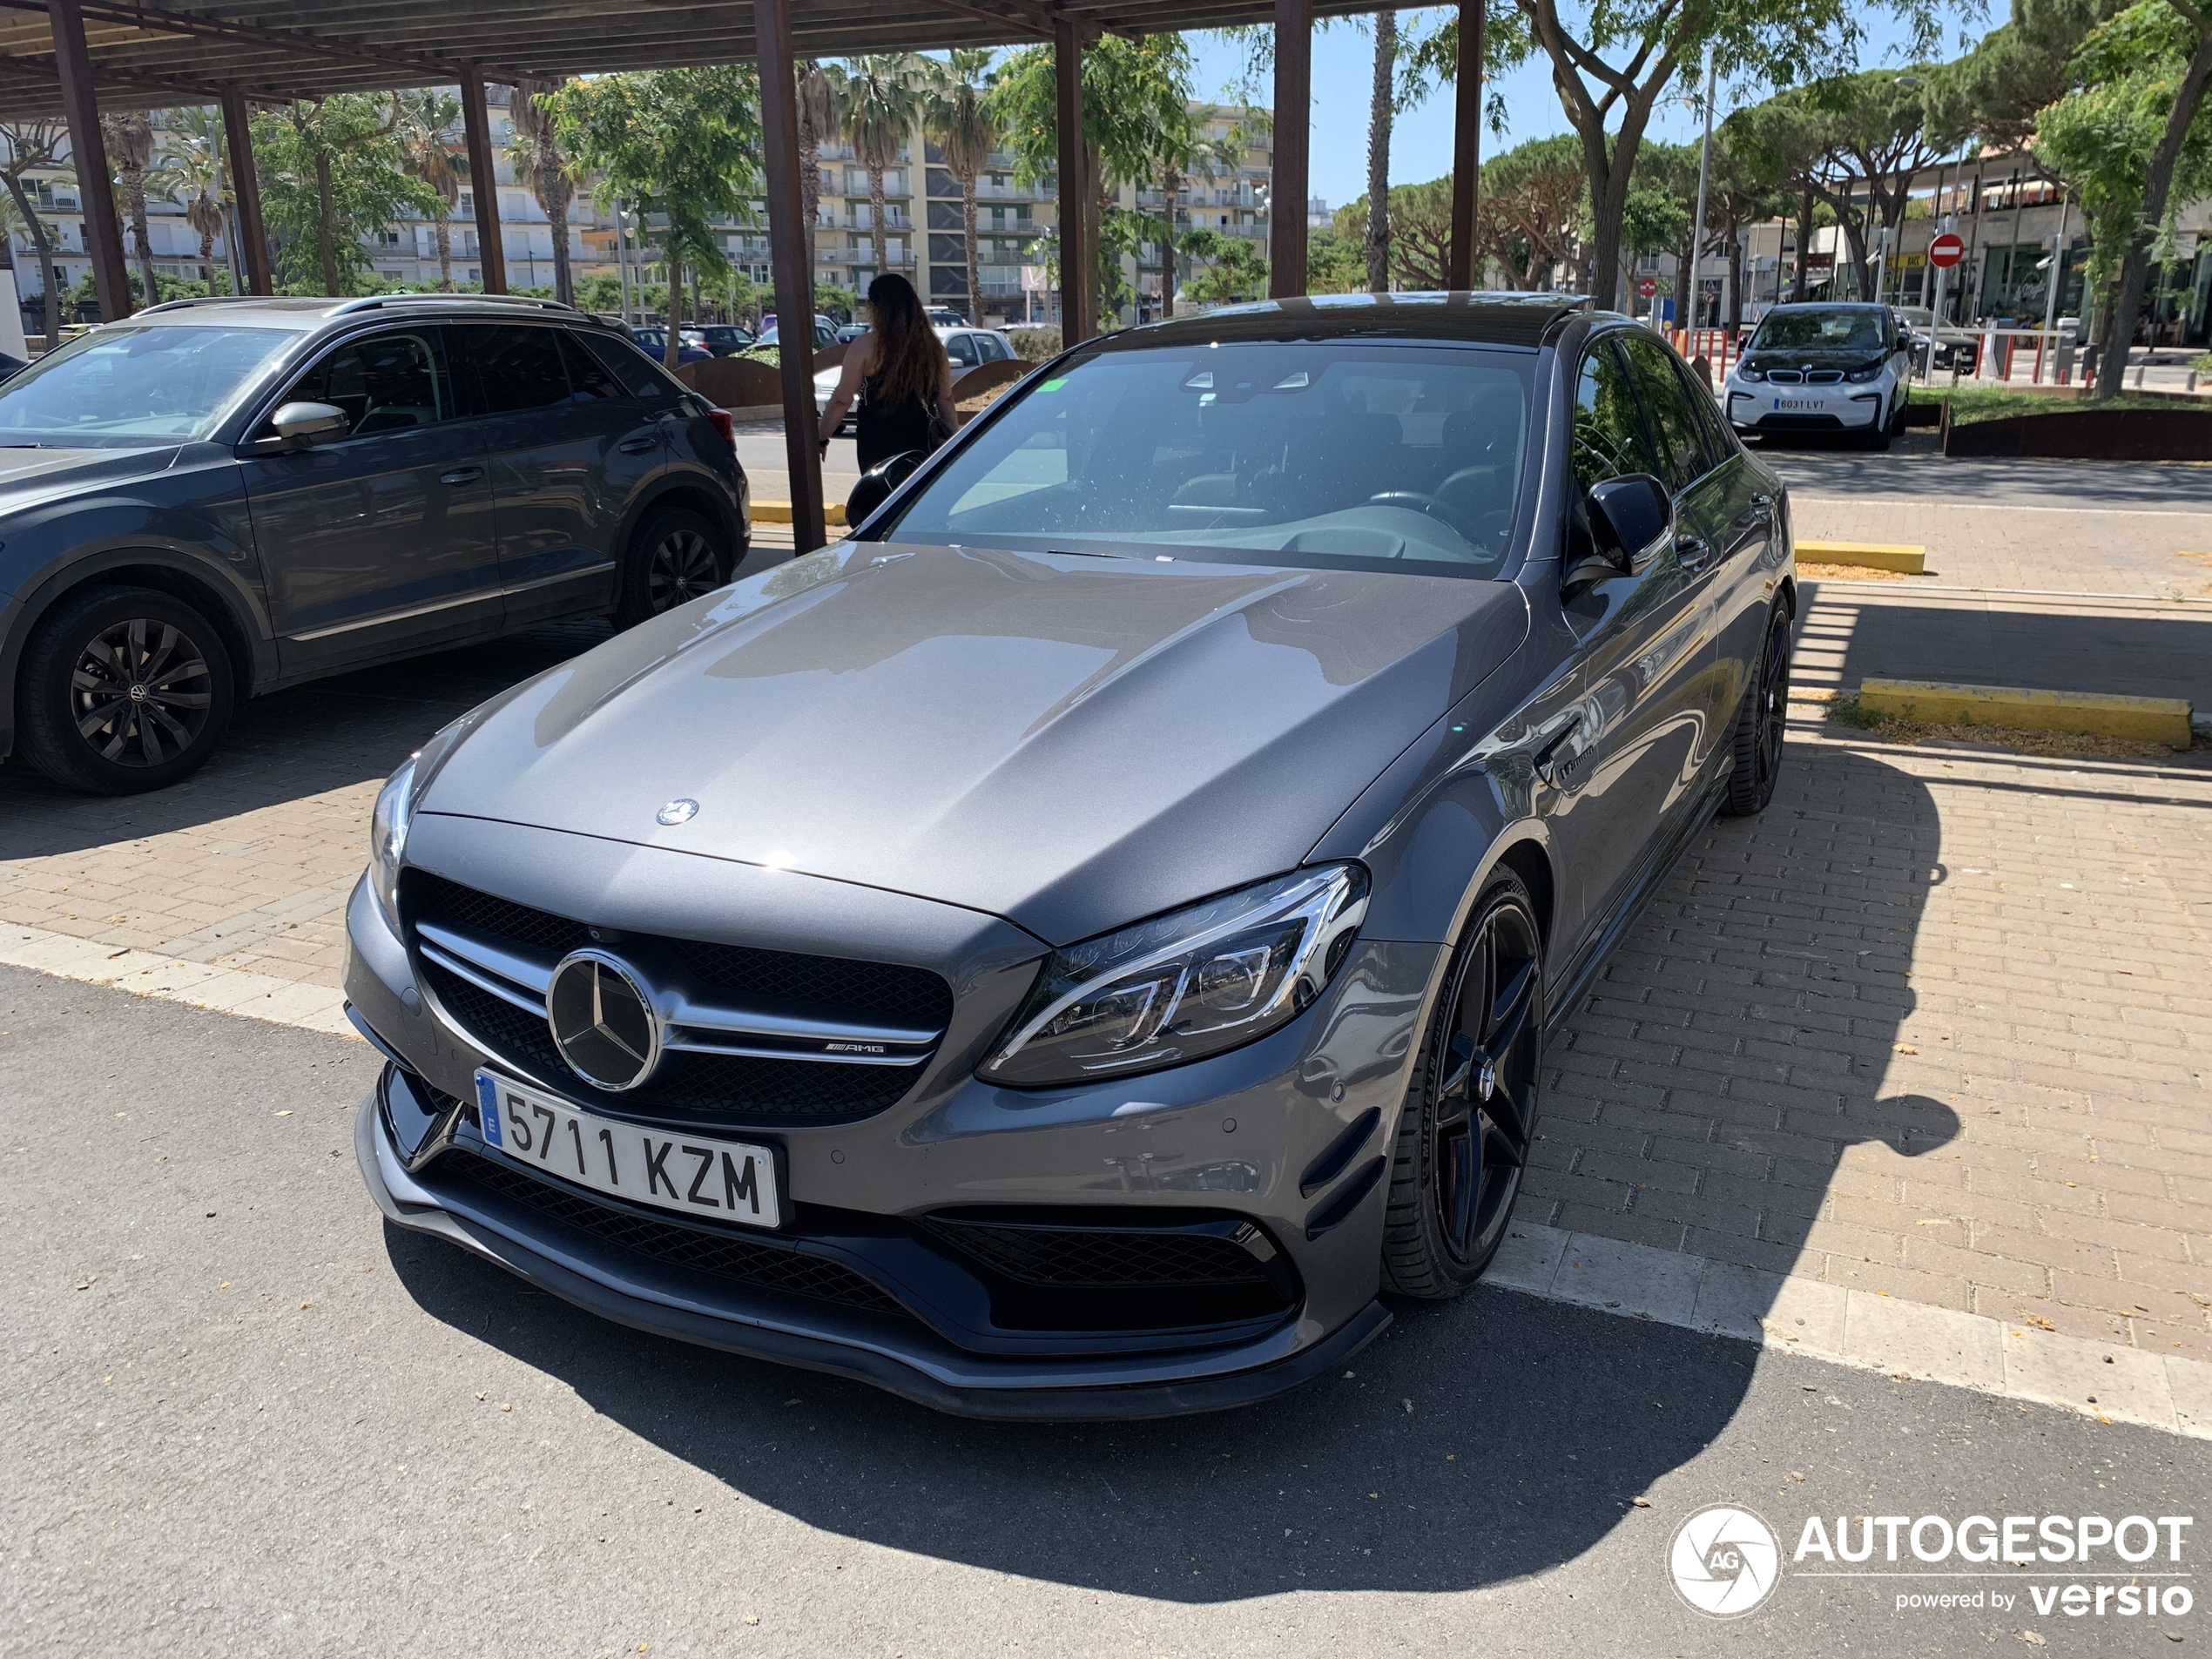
[1078,259]
[246,186]
[1467,145]
[88,153]
[1293,125]
[483,178]
[795,279]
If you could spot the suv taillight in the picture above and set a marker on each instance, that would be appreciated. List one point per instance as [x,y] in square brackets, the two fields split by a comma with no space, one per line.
[724,425]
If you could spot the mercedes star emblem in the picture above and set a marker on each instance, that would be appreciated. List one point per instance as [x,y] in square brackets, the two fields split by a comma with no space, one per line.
[602,1021]
[681,810]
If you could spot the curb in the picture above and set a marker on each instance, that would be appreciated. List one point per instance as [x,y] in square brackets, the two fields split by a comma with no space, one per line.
[171,979]
[1906,560]
[1864,1330]
[779,512]
[2151,719]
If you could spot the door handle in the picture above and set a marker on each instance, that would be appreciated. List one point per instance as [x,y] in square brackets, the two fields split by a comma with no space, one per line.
[1553,771]
[1762,507]
[1692,552]
[638,446]
[461,476]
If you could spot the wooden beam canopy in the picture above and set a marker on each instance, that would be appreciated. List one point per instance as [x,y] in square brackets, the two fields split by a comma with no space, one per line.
[1467,145]
[87,148]
[1294,122]
[795,279]
[246,190]
[483,180]
[1078,275]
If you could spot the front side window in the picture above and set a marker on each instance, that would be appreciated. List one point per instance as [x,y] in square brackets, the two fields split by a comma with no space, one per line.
[1822,328]
[1666,405]
[1325,453]
[638,373]
[147,383]
[390,383]
[1609,437]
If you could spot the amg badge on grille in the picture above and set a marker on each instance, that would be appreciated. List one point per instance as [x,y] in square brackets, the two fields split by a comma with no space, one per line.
[602,1021]
[681,810]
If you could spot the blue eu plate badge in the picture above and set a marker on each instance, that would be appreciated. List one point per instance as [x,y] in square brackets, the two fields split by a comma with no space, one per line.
[487,1109]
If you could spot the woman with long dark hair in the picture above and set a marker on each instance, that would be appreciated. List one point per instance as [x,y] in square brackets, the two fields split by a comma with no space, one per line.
[900,371]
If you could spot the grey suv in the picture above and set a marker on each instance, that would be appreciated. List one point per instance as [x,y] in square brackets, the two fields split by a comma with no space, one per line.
[219,498]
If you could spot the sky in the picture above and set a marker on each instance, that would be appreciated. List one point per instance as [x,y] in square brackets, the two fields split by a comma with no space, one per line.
[1421,142]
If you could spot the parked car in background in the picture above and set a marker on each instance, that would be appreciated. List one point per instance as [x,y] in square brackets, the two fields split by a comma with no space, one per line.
[1074,948]
[1839,369]
[851,332]
[967,347]
[213,500]
[825,333]
[652,340]
[11,366]
[723,339]
[1953,345]
[944,317]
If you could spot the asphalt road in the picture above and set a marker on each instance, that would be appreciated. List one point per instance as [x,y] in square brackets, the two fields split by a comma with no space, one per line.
[244,1417]
[1914,470]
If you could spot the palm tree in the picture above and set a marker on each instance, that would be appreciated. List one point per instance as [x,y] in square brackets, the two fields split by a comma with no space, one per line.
[966,133]
[36,145]
[883,98]
[818,117]
[1380,102]
[536,153]
[426,119]
[195,181]
[130,149]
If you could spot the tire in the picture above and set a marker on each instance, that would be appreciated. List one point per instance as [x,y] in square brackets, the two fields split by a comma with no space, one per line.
[124,690]
[1464,1135]
[1897,420]
[675,556]
[1756,738]
[1877,436]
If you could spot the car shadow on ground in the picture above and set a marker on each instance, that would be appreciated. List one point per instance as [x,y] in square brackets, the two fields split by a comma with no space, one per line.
[1476,1441]
[350,729]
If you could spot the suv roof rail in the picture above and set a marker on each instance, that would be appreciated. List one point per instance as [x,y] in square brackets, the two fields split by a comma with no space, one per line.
[373,301]
[200,300]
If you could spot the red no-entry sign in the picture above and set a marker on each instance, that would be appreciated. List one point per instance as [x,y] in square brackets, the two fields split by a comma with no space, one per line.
[1647,287]
[1946,251]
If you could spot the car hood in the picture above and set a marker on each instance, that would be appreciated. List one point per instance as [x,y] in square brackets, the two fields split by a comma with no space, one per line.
[1068,742]
[1844,360]
[28,476]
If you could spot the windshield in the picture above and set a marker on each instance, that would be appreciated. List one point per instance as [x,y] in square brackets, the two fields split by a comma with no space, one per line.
[1822,328]
[1331,453]
[121,384]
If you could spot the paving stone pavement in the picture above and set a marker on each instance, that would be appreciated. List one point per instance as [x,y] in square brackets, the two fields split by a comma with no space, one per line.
[1936,1026]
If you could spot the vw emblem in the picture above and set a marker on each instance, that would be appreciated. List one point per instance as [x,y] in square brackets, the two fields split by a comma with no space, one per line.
[602,1021]
[681,810]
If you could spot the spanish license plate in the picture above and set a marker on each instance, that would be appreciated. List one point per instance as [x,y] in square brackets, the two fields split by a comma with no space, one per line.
[1798,403]
[695,1175]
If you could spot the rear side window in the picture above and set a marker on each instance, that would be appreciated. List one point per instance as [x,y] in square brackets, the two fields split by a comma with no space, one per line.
[1610,438]
[1681,441]
[389,382]
[633,371]
[517,368]
[587,375]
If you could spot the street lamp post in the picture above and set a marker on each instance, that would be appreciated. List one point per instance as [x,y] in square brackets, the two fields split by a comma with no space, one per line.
[1693,293]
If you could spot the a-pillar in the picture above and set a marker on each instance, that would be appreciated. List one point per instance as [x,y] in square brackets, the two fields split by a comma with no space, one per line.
[88,154]
[794,281]
[1078,259]
[1466,146]
[484,179]
[246,188]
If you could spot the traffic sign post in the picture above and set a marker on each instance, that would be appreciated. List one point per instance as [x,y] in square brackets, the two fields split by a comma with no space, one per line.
[1946,251]
[1943,251]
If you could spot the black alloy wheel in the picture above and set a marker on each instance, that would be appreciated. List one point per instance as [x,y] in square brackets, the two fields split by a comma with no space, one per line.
[124,690]
[676,556]
[1463,1140]
[1761,723]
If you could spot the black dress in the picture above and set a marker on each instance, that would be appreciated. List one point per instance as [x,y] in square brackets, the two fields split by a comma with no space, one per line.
[888,430]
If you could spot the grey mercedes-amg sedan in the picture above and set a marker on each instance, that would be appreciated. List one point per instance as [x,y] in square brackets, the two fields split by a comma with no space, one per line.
[1081,944]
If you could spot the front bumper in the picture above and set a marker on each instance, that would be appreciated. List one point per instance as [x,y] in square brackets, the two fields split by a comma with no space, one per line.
[1228,1138]
[1840,408]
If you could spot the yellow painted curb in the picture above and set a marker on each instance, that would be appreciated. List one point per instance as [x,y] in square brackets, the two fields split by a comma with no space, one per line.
[779,512]
[1870,556]
[2150,719]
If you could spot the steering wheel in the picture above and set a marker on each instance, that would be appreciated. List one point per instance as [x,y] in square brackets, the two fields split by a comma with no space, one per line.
[1444,514]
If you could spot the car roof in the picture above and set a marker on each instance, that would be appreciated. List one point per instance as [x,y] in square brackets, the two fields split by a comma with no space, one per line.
[304,315]
[1522,320]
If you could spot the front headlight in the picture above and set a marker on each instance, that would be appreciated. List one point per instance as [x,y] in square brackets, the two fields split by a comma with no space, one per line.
[1868,372]
[393,813]
[387,826]
[1743,374]
[1184,985]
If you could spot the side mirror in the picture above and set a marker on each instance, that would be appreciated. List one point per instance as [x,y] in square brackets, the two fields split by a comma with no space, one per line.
[308,423]
[1631,518]
[877,483]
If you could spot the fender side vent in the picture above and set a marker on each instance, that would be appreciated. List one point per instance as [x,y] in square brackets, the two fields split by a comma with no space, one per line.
[1338,1210]
[1338,1158]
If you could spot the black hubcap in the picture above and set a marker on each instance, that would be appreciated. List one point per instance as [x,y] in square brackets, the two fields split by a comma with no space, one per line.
[1774,699]
[1486,1096]
[683,568]
[140,692]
